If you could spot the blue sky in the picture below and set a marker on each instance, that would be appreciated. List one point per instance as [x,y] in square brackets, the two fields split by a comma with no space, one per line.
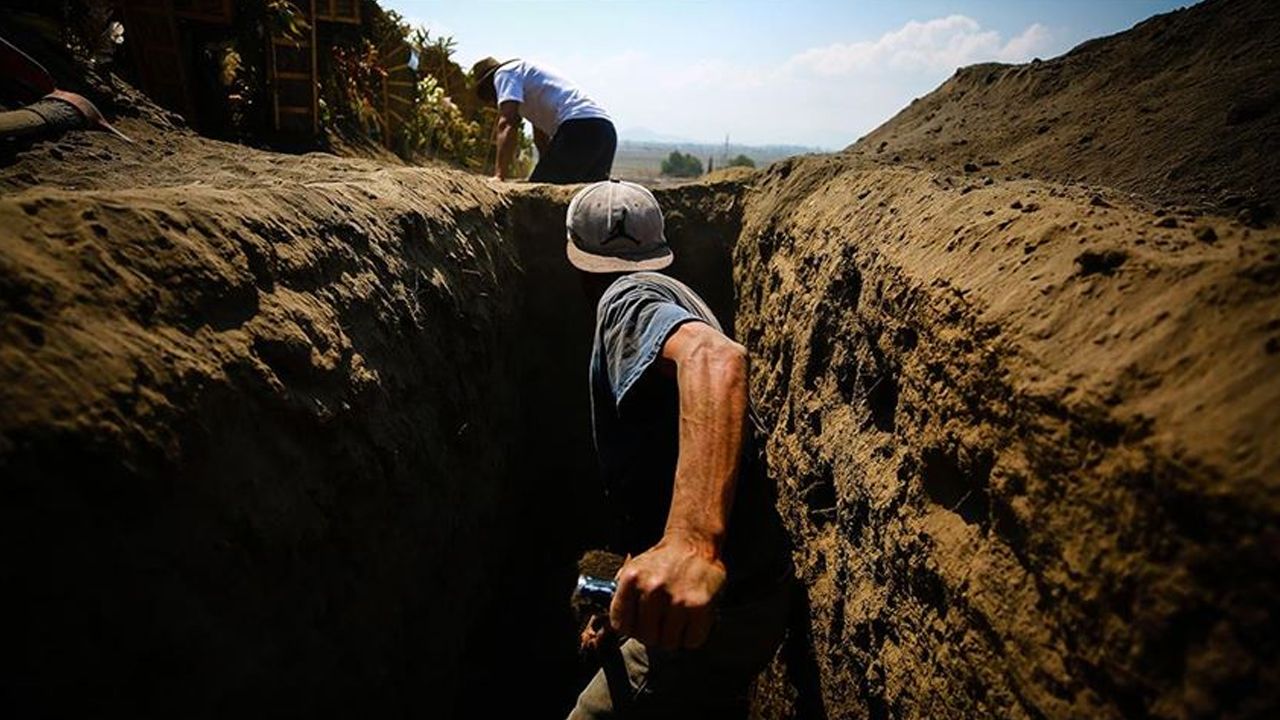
[805,72]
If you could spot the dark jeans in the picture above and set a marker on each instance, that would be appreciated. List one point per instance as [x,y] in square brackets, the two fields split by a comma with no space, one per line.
[581,151]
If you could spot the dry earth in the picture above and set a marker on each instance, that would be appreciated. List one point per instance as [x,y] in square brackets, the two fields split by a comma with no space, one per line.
[1183,109]
[1026,433]
[1016,435]
[247,400]
[288,436]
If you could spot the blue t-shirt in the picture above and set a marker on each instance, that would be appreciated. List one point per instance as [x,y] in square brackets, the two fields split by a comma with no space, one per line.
[635,317]
[635,416]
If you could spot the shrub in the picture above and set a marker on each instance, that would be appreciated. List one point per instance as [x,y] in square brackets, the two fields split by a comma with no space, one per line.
[679,164]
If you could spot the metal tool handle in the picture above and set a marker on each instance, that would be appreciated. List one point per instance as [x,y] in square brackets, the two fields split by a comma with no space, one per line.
[596,592]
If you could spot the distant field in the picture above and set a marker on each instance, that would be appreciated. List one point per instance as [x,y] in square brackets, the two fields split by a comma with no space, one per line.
[643,160]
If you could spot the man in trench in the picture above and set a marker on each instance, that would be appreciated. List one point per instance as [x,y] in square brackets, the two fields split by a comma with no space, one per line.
[575,137]
[703,596]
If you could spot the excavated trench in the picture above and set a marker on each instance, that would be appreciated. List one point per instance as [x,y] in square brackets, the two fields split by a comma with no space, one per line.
[555,501]
[310,448]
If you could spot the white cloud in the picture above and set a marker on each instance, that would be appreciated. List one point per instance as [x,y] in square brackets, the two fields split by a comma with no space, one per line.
[1034,39]
[826,96]
[942,44]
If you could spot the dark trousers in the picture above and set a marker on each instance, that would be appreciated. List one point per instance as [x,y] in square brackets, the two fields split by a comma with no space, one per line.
[581,151]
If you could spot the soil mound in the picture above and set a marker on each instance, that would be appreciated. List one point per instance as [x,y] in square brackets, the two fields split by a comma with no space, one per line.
[233,431]
[1183,108]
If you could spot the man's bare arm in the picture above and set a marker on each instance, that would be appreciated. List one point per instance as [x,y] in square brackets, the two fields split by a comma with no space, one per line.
[664,594]
[711,372]
[508,131]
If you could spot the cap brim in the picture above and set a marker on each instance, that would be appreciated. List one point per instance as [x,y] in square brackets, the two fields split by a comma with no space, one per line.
[587,262]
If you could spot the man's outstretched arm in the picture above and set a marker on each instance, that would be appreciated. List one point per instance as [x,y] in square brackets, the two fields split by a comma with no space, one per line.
[508,132]
[664,595]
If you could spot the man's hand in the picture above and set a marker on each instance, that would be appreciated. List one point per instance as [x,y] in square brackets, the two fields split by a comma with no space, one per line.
[664,595]
[594,634]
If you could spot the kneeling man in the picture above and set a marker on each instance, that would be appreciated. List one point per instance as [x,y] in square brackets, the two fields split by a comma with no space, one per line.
[575,137]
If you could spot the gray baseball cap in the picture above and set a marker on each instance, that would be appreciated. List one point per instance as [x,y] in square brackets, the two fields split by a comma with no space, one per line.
[616,226]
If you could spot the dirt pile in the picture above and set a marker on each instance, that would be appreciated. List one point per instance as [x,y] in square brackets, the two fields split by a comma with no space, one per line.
[1184,108]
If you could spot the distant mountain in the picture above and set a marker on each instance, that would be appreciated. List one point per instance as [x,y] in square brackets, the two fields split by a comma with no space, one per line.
[645,135]
[719,149]
[642,136]
[642,159]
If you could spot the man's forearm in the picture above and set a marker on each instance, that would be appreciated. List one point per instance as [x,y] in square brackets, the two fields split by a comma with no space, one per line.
[712,382]
[506,149]
[665,593]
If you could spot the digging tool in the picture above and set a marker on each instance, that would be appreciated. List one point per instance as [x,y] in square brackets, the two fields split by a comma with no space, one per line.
[593,596]
[56,110]
[595,593]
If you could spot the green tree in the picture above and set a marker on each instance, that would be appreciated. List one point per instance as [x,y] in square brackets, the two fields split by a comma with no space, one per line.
[742,161]
[679,164]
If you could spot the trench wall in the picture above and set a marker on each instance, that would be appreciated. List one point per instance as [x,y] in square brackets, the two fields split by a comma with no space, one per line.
[253,443]
[1025,446]
[306,448]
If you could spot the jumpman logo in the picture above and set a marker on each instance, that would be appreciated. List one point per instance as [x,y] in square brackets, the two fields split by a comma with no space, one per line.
[619,230]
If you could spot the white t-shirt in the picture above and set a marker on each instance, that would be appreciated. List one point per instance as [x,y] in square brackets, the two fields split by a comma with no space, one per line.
[546,99]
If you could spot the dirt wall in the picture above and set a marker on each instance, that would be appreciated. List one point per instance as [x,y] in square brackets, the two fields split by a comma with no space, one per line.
[304,435]
[252,441]
[1025,441]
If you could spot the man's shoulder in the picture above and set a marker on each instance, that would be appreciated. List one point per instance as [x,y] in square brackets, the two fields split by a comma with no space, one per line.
[647,280]
[516,68]
[636,291]
[532,73]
